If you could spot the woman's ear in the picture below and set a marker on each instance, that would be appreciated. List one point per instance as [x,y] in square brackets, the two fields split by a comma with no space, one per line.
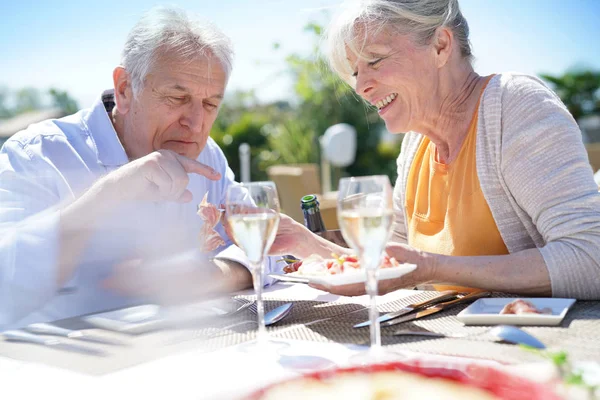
[443,43]
[123,90]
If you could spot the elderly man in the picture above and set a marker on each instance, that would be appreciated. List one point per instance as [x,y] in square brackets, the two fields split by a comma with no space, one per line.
[98,209]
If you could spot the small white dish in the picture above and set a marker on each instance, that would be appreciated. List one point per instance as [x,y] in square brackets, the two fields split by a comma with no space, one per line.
[346,278]
[133,320]
[487,312]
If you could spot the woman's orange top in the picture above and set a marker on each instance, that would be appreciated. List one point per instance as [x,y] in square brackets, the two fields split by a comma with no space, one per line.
[445,208]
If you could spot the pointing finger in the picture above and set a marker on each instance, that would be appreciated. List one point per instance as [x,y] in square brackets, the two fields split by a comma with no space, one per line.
[193,166]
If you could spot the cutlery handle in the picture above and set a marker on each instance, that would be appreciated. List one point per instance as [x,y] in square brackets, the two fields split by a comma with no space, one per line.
[48,329]
[465,299]
[22,336]
[443,296]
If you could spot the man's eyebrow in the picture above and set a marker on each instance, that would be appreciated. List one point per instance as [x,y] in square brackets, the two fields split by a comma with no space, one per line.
[178,87]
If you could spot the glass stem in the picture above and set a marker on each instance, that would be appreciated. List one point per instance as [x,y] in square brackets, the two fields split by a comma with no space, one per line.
[371,287]
[257,281]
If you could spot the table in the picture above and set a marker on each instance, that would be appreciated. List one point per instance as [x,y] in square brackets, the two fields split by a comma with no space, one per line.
[195,363]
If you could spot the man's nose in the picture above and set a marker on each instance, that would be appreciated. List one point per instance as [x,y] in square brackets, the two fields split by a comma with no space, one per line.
[193,117]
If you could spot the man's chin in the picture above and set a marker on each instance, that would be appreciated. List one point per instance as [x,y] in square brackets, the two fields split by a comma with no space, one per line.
[189,150]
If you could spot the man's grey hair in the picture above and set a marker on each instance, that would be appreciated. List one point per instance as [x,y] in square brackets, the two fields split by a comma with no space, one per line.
[172,31]
[419,19]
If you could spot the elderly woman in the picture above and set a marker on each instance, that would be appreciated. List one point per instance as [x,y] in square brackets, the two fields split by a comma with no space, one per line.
[494,188]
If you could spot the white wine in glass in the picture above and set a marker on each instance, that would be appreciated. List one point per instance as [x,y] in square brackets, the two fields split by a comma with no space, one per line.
[365,214]
[253,217]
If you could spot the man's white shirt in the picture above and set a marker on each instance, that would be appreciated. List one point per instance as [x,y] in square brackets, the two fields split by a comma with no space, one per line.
[49,165]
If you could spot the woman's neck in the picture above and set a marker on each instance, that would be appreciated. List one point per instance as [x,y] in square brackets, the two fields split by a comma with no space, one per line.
[458,94]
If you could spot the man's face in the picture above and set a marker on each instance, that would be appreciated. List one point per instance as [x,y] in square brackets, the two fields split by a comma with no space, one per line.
[176,108]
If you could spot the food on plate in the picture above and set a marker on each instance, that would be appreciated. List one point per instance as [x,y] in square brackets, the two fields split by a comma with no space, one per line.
[209,238]
[399,381]
[521,306]
[317,265]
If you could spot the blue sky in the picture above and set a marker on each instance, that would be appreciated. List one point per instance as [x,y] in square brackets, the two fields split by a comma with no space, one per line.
[74,45]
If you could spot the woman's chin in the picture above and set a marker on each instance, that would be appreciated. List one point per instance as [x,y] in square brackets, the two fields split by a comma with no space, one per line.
[396,127]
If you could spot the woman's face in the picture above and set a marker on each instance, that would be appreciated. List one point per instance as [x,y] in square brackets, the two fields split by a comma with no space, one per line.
[399,77]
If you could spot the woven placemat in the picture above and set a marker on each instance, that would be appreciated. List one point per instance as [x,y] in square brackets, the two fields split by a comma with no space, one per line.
[578,335]
[324,322]
[207,335]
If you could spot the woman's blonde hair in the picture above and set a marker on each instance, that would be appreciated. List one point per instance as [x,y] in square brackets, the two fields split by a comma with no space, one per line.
[418,18]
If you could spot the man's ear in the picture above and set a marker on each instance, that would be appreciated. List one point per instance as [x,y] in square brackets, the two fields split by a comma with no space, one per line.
[443,43]
[123,90]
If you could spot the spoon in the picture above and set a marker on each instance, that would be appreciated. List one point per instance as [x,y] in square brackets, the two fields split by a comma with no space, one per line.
[512,334]
[277,314]
[507,333]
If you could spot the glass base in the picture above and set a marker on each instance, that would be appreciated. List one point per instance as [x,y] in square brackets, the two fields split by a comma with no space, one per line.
[266,348]
[277,352]
[376,355]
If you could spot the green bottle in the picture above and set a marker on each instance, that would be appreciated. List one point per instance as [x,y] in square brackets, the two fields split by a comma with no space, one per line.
[312,215]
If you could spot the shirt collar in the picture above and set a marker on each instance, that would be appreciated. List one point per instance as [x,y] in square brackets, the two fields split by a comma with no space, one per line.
[102,132]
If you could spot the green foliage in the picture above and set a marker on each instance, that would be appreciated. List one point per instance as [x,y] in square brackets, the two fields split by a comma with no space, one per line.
[30,99]
[290,142]
[579,90]
[325,100]
[5,111]
[27,99]
[568,374]
[245,129]
[281,134]
[64,101]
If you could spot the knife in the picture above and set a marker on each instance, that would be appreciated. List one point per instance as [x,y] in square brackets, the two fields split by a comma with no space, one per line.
[48,329]
[437,308]
[289,278]
[22,336]
[443,296]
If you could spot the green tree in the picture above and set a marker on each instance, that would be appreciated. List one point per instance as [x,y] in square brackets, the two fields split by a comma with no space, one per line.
[578,89]
[5,111]
[283,133]
[62,100]
[325,100]
[27,99]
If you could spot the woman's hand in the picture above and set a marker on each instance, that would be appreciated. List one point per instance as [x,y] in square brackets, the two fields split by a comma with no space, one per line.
[424,273]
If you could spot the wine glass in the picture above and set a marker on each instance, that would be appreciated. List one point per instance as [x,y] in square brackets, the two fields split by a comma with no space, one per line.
[365,215]
[253,217]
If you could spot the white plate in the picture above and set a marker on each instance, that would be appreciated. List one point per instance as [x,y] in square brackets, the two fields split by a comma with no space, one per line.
[346,278]
[151,317]
[134,320]
[487,312]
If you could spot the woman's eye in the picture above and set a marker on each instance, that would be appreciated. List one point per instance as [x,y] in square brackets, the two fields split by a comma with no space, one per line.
[375,62]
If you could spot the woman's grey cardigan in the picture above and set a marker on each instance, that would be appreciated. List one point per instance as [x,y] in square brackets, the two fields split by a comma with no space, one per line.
[535,175]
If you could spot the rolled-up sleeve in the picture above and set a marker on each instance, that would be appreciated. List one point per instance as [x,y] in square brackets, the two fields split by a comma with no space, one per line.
[29,234]
[272,265]
[231,252]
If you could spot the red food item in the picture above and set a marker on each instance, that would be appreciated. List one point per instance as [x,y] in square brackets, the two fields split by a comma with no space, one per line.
[210,239]
[521,306]
[337,264]
[293,267]
[460,379]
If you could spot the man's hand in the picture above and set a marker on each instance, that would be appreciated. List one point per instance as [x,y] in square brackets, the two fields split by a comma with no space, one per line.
[161,175]
[291,237]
